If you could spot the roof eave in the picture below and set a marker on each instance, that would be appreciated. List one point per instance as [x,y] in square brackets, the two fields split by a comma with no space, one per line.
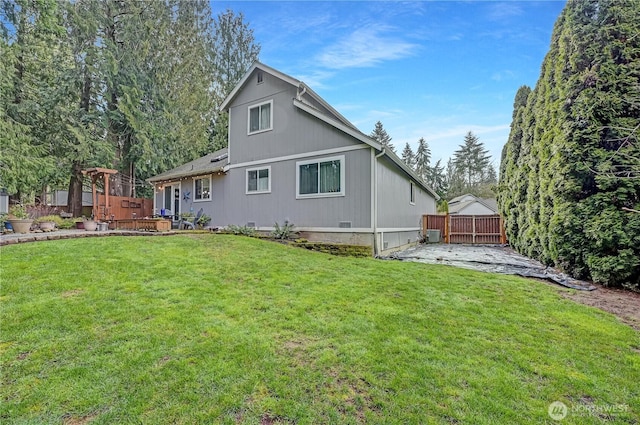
[227,101]
[178,176]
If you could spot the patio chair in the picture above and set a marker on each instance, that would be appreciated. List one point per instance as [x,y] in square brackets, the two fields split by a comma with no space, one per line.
[192,225]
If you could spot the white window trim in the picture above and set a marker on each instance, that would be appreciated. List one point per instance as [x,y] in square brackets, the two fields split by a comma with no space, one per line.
[210,189]
[257,105]
[318,161]
[412,193]
[246,182]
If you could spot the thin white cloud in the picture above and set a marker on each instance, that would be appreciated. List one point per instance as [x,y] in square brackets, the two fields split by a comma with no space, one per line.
[462,130]
[316,79]
[503,75]
[365,47]
[503,10]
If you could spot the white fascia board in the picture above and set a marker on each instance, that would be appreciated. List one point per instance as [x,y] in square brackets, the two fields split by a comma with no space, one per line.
[338,125]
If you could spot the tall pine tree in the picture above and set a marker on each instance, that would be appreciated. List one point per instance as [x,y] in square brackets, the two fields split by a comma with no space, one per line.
[379,134]
[423,159]
[408,157]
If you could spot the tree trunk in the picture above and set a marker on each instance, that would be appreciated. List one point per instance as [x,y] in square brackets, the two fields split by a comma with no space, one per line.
[74,199]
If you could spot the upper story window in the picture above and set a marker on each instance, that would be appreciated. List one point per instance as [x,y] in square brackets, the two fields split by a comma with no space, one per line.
[260,77]
[259,180]
[412,193]
[202,189]
[320,178]
[261,117]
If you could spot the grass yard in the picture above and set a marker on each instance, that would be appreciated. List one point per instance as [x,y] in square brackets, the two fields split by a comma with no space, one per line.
[226,329]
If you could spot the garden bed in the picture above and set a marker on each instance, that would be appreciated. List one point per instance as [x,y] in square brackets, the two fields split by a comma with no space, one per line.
[153,225]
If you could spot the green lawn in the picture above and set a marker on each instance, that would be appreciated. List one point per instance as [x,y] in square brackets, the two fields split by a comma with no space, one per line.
[226,329]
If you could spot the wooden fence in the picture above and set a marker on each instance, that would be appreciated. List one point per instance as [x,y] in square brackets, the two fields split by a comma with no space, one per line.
[122,208]
[471,229]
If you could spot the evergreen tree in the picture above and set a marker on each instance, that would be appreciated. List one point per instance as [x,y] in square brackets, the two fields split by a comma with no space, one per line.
[559,191]
[437,179]
[455,182]
[408,156]
[32,63]
[423,159]
[234,50]
[379,134]
[472,161]
[126,85]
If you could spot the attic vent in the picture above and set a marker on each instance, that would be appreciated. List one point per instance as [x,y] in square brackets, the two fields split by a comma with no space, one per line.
[344,225]
[260,77]
[220,157]
[251,224]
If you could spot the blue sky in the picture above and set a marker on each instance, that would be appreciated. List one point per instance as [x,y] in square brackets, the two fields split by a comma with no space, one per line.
[432,69]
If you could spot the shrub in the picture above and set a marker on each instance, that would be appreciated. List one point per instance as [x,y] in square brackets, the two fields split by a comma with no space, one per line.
[19,212]
[240,230]
[284,232]
[203,220]
[54,218]
[66,223]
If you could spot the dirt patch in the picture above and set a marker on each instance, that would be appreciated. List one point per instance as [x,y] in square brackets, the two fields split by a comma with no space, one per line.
[624,304]
[72,293]
[497,259]
[78,420]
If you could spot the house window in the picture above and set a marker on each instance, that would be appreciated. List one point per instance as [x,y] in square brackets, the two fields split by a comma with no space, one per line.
[324,177]
[260,117]
[412,193]
[259,180]
[202,189]
[260,78]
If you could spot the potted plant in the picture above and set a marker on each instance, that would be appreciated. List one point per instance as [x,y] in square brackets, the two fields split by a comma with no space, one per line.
[48,223]
[203,220]
[19,219]
[79,223]
[90,225]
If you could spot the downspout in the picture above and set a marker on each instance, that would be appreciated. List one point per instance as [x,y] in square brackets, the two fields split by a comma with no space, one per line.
[300,94]
[376,248]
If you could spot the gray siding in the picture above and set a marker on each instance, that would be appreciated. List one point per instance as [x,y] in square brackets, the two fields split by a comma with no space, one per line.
[294,131]
[213,207]
[281,204]
[391,240]
[394,207]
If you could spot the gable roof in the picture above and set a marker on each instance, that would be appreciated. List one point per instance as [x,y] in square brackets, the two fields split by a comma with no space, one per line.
[457,204]
[208,164]
[336,120]
[303,89]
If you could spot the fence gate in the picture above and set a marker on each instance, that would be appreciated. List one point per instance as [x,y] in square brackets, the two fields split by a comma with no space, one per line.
[471,229]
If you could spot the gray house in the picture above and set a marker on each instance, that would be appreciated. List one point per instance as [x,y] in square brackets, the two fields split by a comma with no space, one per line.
[292,157]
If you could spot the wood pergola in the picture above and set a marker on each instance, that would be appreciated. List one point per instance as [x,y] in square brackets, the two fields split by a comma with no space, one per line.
[97,174]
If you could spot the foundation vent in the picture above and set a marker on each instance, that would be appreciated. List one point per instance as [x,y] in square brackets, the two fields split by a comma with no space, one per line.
[251,224]
[344,225]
